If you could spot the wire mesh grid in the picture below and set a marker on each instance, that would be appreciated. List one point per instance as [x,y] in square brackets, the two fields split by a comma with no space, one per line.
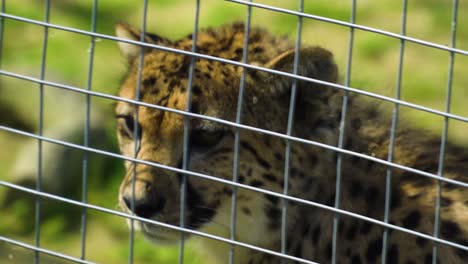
[42,83]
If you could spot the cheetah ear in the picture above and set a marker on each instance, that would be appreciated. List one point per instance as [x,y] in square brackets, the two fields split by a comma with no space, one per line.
[314,62]
[131,51]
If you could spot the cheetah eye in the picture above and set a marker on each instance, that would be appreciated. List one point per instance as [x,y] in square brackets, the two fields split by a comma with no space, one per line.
[126,126]
[201,139]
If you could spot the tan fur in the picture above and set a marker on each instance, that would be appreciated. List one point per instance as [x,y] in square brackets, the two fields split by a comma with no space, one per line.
[261,157]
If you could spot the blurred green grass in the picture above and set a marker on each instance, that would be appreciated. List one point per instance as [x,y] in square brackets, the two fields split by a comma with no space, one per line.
[374,68]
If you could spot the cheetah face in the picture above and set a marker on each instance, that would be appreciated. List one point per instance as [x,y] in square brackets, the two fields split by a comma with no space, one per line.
[154,192]
[160,138]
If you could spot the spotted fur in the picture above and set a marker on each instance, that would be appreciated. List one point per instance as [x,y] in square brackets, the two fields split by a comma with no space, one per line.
[261,159]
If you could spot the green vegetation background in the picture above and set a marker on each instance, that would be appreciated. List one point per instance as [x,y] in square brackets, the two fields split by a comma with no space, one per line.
[374,68]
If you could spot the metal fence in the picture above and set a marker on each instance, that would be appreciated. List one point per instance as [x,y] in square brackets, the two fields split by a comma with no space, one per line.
[43,83]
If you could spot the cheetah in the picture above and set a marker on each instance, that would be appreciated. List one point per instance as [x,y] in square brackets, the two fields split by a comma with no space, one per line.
[261,157]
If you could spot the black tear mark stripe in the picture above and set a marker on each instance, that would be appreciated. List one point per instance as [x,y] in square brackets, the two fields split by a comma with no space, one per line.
[254,152]
[200,212]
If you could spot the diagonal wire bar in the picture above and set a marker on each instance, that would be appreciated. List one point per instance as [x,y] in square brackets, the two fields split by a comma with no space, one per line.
[240,99]
[203,234]
[352,25]
[248,66]
[212,178]
[186,136]
[145,220]
[246,127]
[84,190]
[341,137]
[393,130]
[37,238]
[42,250]
[443,143]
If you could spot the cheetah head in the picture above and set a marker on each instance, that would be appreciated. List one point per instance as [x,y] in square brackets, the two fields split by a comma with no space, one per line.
[156,191]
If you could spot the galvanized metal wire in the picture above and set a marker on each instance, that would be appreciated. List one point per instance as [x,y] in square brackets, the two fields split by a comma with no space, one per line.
[238,126]
[246,127]
[207,177]
[43,250]
[235,165]
[443,141]
[40,130]
[136,132]
[249,66]
[84,182]
[352,25]
[186,140]
[341,137]
[393,129]
[289,130]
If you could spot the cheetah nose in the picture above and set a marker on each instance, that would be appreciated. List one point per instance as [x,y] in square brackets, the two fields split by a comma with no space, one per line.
[145,206]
